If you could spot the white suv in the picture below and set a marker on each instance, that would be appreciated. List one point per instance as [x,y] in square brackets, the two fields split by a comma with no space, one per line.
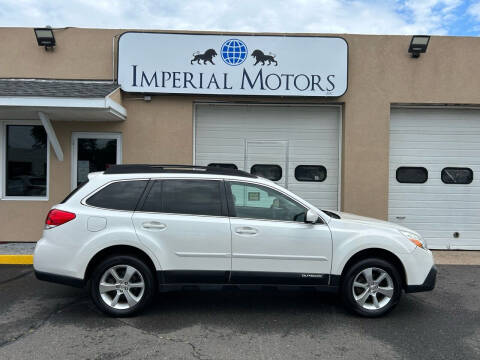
[135,229]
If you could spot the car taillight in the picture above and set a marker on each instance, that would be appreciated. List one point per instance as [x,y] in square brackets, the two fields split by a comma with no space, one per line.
[57,217]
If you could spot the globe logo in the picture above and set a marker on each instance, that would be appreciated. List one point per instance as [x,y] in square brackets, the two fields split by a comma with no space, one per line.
[234,52]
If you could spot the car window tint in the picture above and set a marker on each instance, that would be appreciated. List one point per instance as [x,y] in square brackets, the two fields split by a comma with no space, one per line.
[412,175]
[74,192]
[198,197]
[224,166]
[121,195]
[153,202]
[270,172]
[259,202]
[456,175]
[316,173]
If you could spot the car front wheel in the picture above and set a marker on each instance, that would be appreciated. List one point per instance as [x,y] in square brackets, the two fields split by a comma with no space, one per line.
[122,285]
[371,287]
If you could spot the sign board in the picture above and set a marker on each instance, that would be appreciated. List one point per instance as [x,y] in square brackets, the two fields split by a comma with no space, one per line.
[232,64]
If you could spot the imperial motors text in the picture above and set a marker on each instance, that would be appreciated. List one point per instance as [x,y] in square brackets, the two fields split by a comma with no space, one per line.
[258,80]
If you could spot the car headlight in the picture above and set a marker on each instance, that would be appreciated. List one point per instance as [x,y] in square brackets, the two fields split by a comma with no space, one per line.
[415,239]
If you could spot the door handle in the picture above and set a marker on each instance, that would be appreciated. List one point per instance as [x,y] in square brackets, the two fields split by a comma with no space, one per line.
[400,217]
[154,225]
[246,231]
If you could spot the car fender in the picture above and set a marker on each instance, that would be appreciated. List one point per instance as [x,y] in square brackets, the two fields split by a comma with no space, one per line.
[346,247]
[125,237]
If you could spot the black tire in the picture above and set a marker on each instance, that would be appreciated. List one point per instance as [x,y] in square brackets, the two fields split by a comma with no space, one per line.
[348,292]
[119,262]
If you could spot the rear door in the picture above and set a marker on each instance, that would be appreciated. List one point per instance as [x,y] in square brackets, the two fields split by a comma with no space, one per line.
[184,221]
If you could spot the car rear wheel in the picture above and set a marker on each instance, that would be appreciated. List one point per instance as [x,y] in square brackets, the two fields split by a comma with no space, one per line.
[371,287]
[122,285]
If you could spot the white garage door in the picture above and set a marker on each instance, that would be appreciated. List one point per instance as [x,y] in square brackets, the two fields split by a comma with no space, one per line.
[435,175]
[298,146]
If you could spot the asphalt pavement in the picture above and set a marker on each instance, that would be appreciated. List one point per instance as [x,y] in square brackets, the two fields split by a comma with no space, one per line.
[39,320]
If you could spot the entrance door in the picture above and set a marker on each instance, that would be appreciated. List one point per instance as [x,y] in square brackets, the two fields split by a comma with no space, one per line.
[94,152]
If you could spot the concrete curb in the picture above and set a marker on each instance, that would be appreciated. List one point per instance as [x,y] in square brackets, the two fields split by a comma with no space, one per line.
[16,259]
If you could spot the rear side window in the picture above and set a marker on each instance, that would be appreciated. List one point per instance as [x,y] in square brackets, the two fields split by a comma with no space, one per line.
[73,192]
[121,195]
[316,173]
[270,172]
[412,175]
[456,175]
[195,197]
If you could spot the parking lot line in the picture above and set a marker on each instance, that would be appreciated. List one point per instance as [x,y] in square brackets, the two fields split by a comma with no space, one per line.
[16,259]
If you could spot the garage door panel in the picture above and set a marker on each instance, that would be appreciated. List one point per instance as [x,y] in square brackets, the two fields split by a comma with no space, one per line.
[311,134]
[435,139]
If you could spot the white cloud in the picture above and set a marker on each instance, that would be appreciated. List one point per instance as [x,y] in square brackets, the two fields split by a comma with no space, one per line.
[474,10]
[327,16]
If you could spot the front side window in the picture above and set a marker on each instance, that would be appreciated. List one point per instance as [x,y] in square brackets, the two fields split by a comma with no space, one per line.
[121,195]
[456,175]
[259,202]
[195,197]
[270,172]
[316,173]
[26,160]
[412,175]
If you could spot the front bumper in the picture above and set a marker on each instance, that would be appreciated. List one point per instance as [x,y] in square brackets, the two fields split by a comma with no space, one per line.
[428,284]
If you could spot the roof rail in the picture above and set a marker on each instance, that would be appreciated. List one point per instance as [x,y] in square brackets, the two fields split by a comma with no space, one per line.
[169,168]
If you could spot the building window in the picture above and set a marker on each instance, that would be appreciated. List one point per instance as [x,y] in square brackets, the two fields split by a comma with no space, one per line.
[270,172]
[224,166]
[412,175]
[25,160]
[94,152]
[316,173]
[456,175]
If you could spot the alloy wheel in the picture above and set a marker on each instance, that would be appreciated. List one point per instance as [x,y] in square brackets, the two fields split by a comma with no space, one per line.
[373,288]
[121,287]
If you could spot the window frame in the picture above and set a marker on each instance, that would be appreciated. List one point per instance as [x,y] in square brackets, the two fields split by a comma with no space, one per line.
[277,165]
[91,135]
[231,205]
[456,168]
[411,167]
[305,165]
[222,192]
[3,160]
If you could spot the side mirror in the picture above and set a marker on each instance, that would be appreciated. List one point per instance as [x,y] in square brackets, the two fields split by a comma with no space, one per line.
[311,217]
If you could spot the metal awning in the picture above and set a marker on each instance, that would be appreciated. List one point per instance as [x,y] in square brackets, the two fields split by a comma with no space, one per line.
[60,100]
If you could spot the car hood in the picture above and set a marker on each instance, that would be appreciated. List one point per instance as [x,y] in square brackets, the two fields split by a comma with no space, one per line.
[370,221]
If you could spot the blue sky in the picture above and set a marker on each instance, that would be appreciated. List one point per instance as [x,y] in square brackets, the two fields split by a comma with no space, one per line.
[444,17]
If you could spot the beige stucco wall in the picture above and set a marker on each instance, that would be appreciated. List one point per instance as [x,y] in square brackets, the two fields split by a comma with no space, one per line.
[381,73]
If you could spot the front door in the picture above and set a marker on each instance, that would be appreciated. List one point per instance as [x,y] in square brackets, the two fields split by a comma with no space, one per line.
[271,243]
[184,222]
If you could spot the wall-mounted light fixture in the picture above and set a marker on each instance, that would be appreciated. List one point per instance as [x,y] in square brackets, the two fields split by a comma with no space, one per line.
[45,37]
[418,45]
